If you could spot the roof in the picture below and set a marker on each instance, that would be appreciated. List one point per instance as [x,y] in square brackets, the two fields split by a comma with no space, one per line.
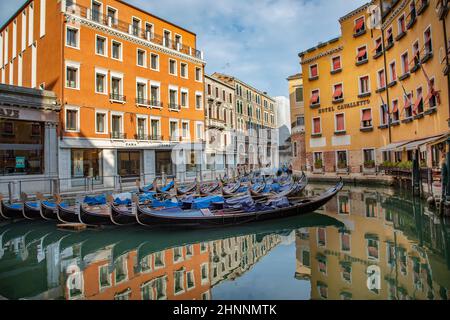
[319,45]
[15,15]
[219,81]
[295,76]
[218,74]
[355,12]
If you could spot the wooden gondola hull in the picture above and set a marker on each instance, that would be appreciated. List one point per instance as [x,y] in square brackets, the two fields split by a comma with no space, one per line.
[119,217]
[31,212]
[9,212]
[49,213]
[67,215]
[148,217]
[92,218]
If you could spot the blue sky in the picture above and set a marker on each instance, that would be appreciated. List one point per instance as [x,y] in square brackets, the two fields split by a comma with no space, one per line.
[255,40]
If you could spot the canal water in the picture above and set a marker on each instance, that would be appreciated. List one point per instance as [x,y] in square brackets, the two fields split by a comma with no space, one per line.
[366,243]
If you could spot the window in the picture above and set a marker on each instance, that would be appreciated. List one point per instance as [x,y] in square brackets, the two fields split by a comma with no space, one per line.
[185,129]
[136,27]
[405,63]
[427,41]
[336,63]
[341,158]
[72,76]
[209,89]
[389,37]
[318,163]
[401,24]
[298,95]
[198,74]
[381,79]
[172,67]
[300,121]
[141,58]
[338,93]
[359,25]
[100,122]
[72,37]
[141,128]
[432,97]
[408,107]
[166,38]
[155,129]
[100,46]
[345,242]
[116,88]
[340,122]
[315,99]
[198,101]
[184,98]
[173,99]
[384,115]
[378,46]
[112,16]
[177,41]
[190,280]
[184,70]
[295,149]
[72,119]
[366,118]
[96,11]
[86,163]
[154,95]
[393,71]
[154,62]
[313,71]
[362,54]
[395,111]
[116,126]
[199,130]
[416,53]
[316,126]
[100,82]
[116,50]
[148,31]
[369,157]
[141,93]
[364,86]
[418,105]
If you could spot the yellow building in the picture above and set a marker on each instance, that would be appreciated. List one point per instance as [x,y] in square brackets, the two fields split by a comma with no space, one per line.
[297,108]
[369,100]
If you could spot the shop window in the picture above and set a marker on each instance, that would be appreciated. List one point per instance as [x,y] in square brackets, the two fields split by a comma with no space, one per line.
[21,147]
[87,163]
[163,161]
[129,164]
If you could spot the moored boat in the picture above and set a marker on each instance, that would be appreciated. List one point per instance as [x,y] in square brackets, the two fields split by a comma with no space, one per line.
[236,215]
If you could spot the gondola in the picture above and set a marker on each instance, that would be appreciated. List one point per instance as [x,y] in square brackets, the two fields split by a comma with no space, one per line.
[10,211]
[48,210]
[166,188]
[205,217]
[148,188]
[231,190]
[181,191]
[96,215]
[67,214]
[122,215]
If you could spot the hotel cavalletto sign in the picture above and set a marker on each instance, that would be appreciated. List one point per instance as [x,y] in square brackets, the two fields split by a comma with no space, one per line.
[344,106]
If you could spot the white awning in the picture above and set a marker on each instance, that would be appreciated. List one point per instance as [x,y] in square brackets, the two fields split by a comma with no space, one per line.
[393,146]
[416,144]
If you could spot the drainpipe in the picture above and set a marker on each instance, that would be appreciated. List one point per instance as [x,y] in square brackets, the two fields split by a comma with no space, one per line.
[385,74]
[447,64]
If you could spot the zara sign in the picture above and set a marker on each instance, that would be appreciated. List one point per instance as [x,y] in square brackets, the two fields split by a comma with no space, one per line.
[9,113]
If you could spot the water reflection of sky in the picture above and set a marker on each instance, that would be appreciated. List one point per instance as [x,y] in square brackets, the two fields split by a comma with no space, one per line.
[272,278]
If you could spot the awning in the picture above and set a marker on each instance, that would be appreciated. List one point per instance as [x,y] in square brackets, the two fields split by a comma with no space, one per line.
[337,91]
[359,24]
[314,98]
[367,115]
[393,146]
[361,53]
[416,144]
[337,63]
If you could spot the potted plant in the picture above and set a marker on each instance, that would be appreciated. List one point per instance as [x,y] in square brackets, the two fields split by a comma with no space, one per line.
[369,164]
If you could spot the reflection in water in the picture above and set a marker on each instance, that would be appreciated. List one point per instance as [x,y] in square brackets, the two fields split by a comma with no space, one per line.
[364,244]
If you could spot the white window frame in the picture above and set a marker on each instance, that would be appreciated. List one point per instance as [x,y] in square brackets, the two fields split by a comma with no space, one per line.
[361,115]
[197,123]
[103,72]
[368,84]
[333,88]
[199,94]
[132,25]
[42,22]
[11,72]
[119,75]
[31,24]
[312,123]
[367,52]
[145,57]
[78,37]
[382,121]
[312,91]
[170,37]
[310,67]
[193,279]
[184,90]
[105,112]
[24,30]
[337,158]
[159,124]
[332,64]
[121,114]
[105,50]
[201,74]
[378,78]
[350,241]
[145,83]
[116,14]
[399,27]
[173,88]
[187,70]
[335,122]
[204,280]
[155,84]
[145,117]
[74,108]
[188,129]
[374,154]
[431,37]
[14,44]
[177,131]
[176,67]
[157,55]
[407,61]
[390,71]
[121,50]
[75,65]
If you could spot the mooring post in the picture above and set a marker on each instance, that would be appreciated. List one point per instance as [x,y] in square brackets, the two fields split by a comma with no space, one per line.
[416,174]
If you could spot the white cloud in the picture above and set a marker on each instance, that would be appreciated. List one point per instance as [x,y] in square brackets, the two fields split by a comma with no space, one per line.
[255,40]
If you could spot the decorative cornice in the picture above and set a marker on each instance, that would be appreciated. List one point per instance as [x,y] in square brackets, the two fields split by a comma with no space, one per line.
[394,13]
[323,54]
[131,38]
[355,12]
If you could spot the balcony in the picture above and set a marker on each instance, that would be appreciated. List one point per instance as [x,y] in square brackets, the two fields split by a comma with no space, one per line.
[175,138]
[118,135]
[213,123]
[143,102]
[114,97]
[412,19]
[423,7]
[145,137]
[442,9]
[129,29]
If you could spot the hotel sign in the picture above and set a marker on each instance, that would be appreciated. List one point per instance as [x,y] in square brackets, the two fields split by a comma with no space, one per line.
[9,113]
[344,106]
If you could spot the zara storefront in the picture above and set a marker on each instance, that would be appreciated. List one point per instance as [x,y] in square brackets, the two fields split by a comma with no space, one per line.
[28,140]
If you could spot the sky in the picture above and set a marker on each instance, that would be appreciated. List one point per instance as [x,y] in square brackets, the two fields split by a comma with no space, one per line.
[257,41]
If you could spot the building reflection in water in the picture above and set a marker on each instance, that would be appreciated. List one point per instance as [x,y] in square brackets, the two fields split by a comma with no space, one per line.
[362,231]
[406,243]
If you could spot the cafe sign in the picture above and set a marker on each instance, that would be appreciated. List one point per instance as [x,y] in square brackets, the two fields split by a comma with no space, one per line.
[9,113]
[344,106]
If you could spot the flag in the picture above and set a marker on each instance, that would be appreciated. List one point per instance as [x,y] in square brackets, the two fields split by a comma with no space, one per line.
[406,96]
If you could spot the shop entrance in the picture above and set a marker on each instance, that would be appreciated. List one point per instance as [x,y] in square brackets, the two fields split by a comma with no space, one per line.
[129,164]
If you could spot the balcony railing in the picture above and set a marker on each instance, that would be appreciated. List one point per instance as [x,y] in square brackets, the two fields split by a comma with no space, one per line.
[175,138]
[216,123]
[143,102]
[97,17]
[117,97]
[118,135]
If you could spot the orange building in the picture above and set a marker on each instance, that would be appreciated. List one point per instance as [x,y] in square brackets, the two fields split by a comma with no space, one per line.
[130,84]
